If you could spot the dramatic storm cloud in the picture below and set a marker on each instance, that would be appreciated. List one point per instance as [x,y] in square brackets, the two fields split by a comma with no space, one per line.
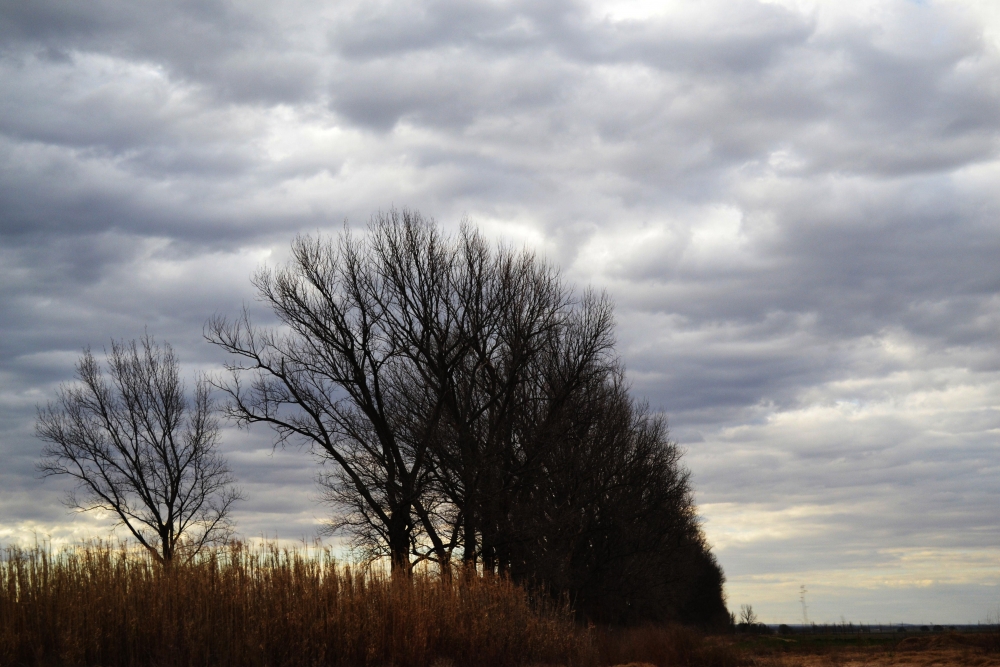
[793,204]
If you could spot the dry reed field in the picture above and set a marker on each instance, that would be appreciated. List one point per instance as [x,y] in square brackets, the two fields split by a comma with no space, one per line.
[240,605]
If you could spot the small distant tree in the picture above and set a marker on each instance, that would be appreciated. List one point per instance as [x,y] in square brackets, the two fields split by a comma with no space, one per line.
[748,618]
[139,449]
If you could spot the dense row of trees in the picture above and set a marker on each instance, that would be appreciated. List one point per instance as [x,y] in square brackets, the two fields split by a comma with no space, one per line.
[471,409]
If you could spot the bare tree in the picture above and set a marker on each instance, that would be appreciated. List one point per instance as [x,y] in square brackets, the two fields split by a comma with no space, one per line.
[469,318]
[138,448]
[332,379]
[748,617]
[386,338]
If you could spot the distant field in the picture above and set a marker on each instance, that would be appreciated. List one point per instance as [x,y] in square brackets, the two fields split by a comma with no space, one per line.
[870,649]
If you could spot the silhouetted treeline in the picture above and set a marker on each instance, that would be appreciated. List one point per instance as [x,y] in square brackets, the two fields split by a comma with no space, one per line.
[473,409]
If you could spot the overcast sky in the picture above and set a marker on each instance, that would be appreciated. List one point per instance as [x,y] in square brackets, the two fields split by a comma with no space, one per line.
[793,204]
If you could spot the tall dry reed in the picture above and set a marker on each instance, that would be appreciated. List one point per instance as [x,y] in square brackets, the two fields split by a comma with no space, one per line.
[110,606]
[265,606]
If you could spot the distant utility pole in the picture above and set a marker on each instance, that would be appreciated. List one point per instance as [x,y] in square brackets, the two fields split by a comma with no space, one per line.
[802,599]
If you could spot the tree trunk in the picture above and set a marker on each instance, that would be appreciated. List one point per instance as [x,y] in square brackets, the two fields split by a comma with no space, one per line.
[469,537]
[399,543]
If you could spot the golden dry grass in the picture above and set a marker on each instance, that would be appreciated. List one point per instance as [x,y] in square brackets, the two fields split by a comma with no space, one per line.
[108,606]
[265,606]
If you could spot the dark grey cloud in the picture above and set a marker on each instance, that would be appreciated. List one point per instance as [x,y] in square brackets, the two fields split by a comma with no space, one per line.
[795,210]
[246,52]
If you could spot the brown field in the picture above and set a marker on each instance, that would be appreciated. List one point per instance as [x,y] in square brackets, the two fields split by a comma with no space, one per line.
[978,649]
